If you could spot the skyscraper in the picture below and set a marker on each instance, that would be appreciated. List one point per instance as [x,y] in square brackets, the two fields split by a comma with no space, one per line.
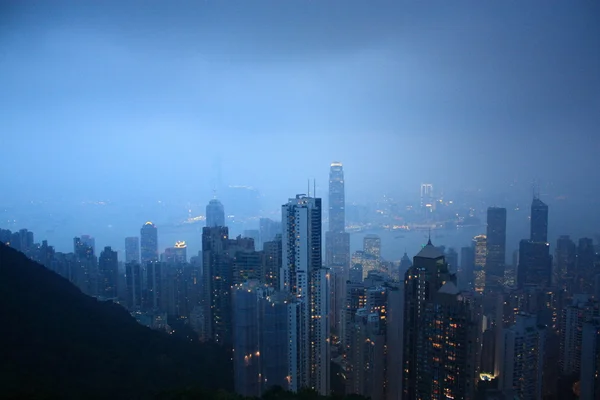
[337,198]
[480,244]
[264,322]
[441,335]
[108,273]
[215,214]
[539,221]
[496,249]
[132,249]
[218,252]
[337,244]
[304,277]
[535,261]
[535,264]
[149,243]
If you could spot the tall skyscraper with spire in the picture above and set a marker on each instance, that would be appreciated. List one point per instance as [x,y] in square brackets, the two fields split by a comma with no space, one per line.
[535,261]
[441,335]
[337,245]
[539,221]
[215,214]
[303,276]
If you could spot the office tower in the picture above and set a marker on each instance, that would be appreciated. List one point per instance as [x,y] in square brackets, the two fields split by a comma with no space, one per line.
[535,264]
[271,262]
[589,384]
[496,249]
[149,243]
[215,214]
[269,229]
[441,335]
[585,265]
[372,246]
[303,276]
[565,257]
[539,221]
[180,252]
[337,198]
[108,273]
[132,249]
[480,244]
[523,358]
[337,244]
[133,279]
[264,323]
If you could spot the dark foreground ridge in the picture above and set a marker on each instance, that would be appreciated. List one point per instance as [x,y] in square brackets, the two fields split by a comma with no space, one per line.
[56,342]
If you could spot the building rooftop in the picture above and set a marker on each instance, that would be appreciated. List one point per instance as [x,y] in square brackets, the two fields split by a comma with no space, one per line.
[430,251]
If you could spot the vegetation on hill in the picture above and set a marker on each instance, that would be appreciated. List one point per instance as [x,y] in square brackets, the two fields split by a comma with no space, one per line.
[58,342]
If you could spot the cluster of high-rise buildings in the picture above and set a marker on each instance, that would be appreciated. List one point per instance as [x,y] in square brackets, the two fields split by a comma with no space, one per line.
[430,328]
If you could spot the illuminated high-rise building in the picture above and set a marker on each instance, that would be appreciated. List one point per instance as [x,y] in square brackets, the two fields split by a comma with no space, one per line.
[427,196]
[264,324]
[132,249]
[149,243]
[303,276]
[480,244]
[215,214]
[218,252]
[441,335]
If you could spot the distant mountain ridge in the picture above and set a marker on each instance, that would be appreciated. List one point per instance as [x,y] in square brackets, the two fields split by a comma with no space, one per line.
[56,342]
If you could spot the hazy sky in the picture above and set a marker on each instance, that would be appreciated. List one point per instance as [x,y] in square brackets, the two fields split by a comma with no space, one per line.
[118,99]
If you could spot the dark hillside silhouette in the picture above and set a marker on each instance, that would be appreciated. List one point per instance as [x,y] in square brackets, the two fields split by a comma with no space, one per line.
[56,342]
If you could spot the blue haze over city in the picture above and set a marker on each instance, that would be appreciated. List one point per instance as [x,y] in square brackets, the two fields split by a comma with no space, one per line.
[300,199]
[115,113]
